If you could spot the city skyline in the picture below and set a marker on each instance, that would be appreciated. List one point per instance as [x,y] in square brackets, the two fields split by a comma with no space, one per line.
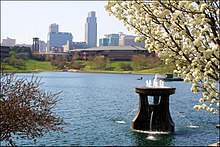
[24,20]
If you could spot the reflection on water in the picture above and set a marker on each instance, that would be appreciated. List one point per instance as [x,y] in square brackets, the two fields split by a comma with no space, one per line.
[152,137]
[120,121]
[190,126]
[99,109]
[153,140]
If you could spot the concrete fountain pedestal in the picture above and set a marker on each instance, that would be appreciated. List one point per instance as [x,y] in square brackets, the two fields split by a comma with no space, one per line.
[153,118]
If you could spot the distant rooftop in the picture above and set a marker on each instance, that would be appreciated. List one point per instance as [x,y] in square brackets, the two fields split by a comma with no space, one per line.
[130,47]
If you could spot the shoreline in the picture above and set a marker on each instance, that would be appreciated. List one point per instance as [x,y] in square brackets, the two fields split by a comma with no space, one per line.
[81,71]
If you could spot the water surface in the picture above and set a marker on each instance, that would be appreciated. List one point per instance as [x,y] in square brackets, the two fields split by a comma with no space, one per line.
[99,108]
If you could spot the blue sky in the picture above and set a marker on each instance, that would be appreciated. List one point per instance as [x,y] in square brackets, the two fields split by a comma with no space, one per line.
[23,20]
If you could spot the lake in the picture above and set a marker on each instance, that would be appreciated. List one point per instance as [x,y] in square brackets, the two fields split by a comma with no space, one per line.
[98,109]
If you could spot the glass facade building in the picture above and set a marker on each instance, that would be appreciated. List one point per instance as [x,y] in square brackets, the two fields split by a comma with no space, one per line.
[103,42]
[110,40]
[57,39]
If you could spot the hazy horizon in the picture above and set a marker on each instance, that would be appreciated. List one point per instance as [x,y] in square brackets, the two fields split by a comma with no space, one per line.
[23,20]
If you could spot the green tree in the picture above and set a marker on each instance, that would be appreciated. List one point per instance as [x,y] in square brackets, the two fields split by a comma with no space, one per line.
[14,61]
[185,33]
[90,61]
[75,56]
[125,66]
[61,65]
[22,51]
[99,62]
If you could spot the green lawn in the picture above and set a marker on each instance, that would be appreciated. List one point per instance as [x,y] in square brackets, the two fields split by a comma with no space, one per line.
[37,66]
[161,69]
[30,66]
[115,68]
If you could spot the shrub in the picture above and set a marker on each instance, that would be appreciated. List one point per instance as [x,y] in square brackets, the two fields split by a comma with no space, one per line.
[125,66]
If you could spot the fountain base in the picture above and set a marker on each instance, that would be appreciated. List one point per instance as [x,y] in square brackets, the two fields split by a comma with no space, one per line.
[153,117]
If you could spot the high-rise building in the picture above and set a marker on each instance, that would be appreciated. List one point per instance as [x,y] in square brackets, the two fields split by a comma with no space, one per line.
[42,46]
[110,40]
[8,42]
[103,42]
[57,39]
[68,46]
[79,45]
[113,39]
[91,30]
[54,28]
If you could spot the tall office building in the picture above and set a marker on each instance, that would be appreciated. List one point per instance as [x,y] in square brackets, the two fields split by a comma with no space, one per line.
[56,39]
[54,28]
[91,30]
[103,42]
[113,39]
[110,40]
[42,46]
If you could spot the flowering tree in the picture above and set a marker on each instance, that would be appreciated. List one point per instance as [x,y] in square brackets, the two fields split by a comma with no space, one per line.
[181,32]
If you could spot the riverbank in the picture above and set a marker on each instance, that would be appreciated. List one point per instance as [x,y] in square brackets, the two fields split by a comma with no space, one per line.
[45,66]
[150,71]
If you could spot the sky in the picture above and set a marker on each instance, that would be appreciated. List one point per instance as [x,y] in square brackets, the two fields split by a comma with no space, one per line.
[23,20]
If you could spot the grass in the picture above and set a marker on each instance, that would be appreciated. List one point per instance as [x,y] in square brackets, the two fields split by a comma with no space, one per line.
[161,69]
[115,68]
[31,66]
[38,66]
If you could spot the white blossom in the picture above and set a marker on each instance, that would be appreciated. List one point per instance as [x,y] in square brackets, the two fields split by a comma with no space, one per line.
[188,36]
[203,7]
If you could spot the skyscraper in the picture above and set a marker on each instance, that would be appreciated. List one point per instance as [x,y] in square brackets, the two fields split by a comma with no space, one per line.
[56,39]
[54,28]
[91,30]
[110,40]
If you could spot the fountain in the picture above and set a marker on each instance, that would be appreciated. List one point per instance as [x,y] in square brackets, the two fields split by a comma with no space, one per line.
[154,118]
[151,118]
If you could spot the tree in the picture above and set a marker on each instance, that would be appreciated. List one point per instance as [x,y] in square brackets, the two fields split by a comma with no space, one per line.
[15,61]
[60,61]
[185,33]
[99,62]
[75,65]
[24,52]
[139,61]
[153,61]
[75,56]
[25,110]
[125,66]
